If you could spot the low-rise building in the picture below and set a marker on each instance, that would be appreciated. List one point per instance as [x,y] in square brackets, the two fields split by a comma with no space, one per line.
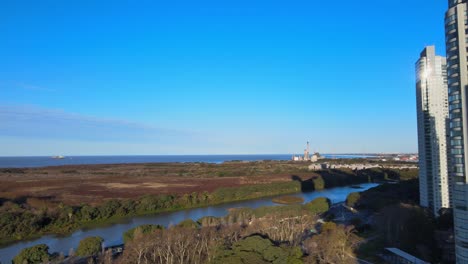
[397,256]
[354,167]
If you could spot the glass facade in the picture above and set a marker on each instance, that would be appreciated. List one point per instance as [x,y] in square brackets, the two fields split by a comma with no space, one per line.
[457,79]
[432,115]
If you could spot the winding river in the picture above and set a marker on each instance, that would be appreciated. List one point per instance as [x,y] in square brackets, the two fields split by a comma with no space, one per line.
[112,234]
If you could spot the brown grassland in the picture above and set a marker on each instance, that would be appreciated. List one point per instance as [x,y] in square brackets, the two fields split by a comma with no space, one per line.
[93,184]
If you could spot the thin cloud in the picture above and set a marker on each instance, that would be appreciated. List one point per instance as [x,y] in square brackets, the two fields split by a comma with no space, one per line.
[35,122]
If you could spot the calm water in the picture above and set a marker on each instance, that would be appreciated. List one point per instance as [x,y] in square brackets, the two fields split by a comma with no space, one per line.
[113,234]
[23,162]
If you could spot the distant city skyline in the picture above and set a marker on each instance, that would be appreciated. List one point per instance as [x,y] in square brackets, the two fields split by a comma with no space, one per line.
[243,77]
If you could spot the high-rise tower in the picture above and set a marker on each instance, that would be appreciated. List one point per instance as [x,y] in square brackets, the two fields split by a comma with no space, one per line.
[432,109]
[457,75]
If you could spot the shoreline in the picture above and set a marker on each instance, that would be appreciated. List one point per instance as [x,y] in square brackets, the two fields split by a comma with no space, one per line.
[64,197]
[121,219]
[21,162]
[113,234]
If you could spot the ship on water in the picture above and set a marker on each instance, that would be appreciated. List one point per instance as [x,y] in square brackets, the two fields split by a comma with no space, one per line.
[58,157]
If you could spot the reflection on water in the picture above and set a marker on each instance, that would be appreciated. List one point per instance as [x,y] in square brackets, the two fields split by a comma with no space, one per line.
[112,234]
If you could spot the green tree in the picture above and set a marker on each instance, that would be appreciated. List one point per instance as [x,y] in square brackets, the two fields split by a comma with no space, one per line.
[352,199]
[318,205]
[256,249]
[188,223]
[319,183]
[35,254]
[109,209]
[88,213]
[408,227]
[143,229]
[89,246]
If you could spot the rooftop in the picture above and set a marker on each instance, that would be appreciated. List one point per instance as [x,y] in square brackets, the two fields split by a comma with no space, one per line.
[406,256]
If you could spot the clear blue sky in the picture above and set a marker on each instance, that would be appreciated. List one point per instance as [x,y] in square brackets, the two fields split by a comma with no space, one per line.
[211,77]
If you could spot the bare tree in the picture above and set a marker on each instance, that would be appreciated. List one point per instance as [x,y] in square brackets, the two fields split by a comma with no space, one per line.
[174,245]
[334,245]
[283,227]
[106,257]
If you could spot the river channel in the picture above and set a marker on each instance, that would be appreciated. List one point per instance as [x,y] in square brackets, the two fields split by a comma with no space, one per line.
[112,234]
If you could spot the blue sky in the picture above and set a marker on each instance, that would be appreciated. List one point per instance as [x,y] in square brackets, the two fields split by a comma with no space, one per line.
[211,77]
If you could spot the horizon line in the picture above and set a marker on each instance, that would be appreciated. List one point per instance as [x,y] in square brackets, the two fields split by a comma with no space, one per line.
[271,154]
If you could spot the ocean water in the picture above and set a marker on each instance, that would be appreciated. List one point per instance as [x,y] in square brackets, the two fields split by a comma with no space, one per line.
[25,162]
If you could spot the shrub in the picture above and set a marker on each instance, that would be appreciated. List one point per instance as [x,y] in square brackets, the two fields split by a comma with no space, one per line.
[256,249]
[209,221]
[319,183]
[188,223]
[352,199]
[89,246]
[328,226]
[143,229]
[35,254]
[318,205]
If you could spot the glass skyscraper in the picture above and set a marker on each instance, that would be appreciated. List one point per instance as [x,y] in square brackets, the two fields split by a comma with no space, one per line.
[432,109]
[456,29]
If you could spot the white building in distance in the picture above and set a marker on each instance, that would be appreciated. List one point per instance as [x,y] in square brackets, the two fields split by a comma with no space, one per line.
[433,114]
